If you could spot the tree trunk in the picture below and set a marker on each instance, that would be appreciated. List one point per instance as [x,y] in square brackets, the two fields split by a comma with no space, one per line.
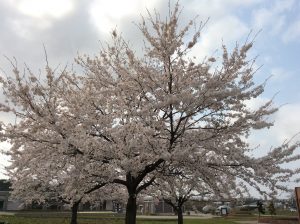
[74,212]
[131,210]
[180,215]
[133,188]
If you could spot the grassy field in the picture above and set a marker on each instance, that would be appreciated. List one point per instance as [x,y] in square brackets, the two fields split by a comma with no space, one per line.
[99,218]
[111,218]
[28,220]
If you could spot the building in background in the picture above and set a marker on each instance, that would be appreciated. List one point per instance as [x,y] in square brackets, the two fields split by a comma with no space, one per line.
[7,204]
[150,205]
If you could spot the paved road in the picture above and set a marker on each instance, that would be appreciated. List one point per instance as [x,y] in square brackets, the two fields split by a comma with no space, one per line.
[247,222]
[200,216]
[6,213]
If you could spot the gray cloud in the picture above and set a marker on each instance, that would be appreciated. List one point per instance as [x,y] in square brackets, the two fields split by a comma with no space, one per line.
[63,38]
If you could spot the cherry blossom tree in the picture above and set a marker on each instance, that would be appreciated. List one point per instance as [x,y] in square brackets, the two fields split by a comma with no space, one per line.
[168,107]
[182,182]
[177,190]
[36,179]
[48,141]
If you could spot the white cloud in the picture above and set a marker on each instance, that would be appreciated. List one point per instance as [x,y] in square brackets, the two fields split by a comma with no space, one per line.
[272,17]
[24,27]
[255,103]
[28,16]
[287,123]
[106,15]
[229,29]
[286,127]
[46,8]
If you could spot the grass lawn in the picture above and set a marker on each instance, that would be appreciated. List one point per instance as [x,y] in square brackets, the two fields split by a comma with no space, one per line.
[109,218]
[99,218]
[28,220]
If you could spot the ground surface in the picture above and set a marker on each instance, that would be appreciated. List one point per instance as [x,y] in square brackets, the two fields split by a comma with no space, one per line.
[247,222]
[105,218]
[37,217]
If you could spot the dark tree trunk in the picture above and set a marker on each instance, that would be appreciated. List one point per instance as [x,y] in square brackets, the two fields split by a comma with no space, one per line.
[131,210]
[74,212]
[177,208]
[179,215]
[133,189]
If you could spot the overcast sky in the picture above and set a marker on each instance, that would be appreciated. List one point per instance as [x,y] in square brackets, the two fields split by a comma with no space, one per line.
[67,27]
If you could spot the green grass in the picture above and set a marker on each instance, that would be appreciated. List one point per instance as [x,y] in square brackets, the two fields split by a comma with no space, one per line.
[96,218]
[28,220]
[38,217]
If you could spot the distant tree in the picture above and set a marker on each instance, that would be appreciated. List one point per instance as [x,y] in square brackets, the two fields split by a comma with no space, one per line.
[48,162]
[260,207]
[179,184]
[249,200]
[38,183]
[292,199]
[271,208]
[177,190]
